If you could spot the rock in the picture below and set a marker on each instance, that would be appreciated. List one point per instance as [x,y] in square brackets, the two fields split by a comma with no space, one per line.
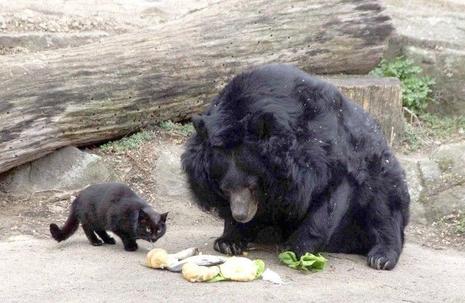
[172,190]
[451,159]
[430,174]
[431,33]
[447,202]
[65,169]
[417,209]
[445,195]
[439,184]
[171,182]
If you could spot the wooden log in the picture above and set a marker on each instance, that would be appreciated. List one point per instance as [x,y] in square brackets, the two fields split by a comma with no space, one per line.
[381,97]
[105,90]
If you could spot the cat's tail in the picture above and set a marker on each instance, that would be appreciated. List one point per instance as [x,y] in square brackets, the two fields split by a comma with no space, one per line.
[71,225]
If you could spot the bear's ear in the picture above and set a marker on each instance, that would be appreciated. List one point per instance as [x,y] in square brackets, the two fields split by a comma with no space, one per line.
[262,125]
[199,126]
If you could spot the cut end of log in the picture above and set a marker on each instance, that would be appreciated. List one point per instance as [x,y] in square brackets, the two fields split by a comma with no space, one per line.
[381,97]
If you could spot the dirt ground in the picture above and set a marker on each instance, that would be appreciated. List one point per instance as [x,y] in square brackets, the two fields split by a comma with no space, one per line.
[35,268]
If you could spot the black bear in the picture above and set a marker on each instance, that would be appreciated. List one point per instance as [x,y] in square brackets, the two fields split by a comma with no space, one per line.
[278,147]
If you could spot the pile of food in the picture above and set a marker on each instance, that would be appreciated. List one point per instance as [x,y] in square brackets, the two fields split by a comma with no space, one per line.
[206,268]
[196,267]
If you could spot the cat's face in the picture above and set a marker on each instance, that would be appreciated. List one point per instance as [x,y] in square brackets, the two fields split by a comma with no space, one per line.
[151,228]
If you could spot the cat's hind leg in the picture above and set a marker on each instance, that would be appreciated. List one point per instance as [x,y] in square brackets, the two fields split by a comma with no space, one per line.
[91,235]
[105,237]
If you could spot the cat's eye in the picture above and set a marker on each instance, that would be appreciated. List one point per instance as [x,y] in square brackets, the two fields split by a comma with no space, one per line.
[148,230]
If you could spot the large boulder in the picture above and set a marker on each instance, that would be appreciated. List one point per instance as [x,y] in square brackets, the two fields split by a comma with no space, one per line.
[171,182]
[436,182]
[449,201]
[172,190]
[66,169]
[432,34]
[451,160]
[417,209]
[446,193]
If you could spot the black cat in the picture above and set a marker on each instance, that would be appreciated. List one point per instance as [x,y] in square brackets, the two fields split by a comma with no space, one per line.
[114,207]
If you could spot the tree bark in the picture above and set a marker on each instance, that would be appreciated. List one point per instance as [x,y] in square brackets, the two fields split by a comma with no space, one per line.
[381,97]
[105,90]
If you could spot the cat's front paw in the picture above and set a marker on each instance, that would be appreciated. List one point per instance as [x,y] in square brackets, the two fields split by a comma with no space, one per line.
[97,243]
[130,246]
[110,241]
[229,247]
[382,258]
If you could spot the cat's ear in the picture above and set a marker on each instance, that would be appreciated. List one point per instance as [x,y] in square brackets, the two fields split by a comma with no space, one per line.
[163,217]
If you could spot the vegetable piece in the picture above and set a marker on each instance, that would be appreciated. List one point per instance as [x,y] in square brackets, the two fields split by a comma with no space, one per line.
[189,252]
[195,273]
[201,260]
[307,262]
[240,269]
[159,258]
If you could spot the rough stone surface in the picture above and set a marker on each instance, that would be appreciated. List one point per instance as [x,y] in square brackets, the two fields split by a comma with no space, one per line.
[66,169]
[172,190]
[446,202]
[417,209]
[432,34]
[171,182]
[430,172]
[436,182]
[451,159]
[446,194]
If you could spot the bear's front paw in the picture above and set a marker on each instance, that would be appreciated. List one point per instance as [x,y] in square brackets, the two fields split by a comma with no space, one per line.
[382,258]
[229,247]
[301,244]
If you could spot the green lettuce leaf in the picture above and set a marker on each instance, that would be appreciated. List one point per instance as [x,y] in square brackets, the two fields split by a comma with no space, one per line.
[307,262]
[260,268]
[219,277]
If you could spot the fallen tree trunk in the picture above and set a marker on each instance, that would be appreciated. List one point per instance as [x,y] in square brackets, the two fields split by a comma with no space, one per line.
[105,90]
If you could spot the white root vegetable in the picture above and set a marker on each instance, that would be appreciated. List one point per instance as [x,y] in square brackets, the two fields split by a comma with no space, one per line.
[200,260]
[189,252]
[161,259]
[195,273]
[239,269]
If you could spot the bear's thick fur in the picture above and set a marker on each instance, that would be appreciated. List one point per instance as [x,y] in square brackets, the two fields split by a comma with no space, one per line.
[280,148]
